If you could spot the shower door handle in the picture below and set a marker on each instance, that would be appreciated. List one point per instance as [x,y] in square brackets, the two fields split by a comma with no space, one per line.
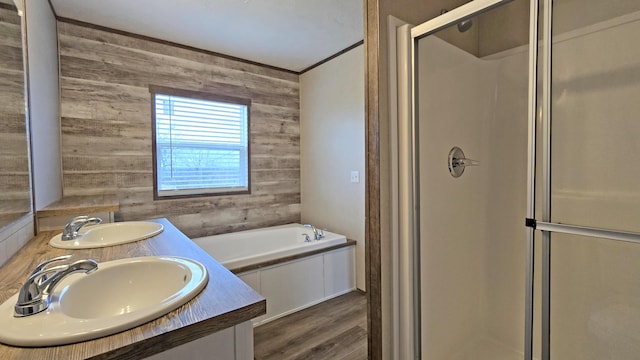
[457,162]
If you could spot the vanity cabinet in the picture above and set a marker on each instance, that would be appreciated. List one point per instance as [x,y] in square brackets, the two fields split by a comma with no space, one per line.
[215,324]
[298,284]
[234,343]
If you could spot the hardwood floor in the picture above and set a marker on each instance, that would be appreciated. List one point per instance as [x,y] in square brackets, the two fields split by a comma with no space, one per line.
[335,329]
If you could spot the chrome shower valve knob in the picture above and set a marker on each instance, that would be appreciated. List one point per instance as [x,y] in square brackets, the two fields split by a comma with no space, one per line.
[457,162]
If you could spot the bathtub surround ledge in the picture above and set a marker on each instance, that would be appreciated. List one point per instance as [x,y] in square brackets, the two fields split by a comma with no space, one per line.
[277,262]
[281,260]
[225,303]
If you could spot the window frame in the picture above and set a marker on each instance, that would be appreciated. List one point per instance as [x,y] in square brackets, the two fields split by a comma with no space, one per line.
[198,95]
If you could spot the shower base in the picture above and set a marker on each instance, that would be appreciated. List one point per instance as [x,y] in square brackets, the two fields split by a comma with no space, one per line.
[488,349]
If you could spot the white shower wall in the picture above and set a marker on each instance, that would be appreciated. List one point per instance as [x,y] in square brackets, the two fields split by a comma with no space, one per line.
[455,104]
[472,227]
[505,233]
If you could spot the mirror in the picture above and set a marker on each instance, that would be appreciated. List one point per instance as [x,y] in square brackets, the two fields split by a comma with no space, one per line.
[15,189]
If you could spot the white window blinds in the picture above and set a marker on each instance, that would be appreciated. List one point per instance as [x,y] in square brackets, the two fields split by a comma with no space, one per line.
[201,146]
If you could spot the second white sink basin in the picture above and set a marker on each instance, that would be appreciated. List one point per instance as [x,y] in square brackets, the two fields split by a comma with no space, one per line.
[95,236]
[119,295]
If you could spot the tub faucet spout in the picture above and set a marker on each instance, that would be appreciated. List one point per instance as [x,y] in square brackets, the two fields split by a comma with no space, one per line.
[317,233]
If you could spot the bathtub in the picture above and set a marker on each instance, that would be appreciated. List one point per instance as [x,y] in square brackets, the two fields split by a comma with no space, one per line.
[243,249]
[290,273]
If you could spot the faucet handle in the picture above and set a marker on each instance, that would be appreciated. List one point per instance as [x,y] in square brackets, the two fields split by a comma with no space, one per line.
[42,265]
[71,229]
[33,289]
[34,294]
[42,279]
[94,221]
[82,220]
[78,218]
[87,266]
[44,275]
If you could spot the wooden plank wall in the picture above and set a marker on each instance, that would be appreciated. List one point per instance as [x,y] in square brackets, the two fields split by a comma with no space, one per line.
[14,162]
[106,128]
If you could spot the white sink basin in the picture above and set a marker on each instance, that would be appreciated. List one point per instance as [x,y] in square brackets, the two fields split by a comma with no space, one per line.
[119,295]
[95,236]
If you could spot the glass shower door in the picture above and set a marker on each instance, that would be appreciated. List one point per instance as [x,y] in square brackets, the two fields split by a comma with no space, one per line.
[471,102]
[593,271]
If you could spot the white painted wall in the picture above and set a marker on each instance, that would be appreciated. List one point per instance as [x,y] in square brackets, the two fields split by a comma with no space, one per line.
[44,102]
[332,146]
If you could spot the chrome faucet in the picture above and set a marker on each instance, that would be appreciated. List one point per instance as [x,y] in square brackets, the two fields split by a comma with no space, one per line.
[34,294]
[317,233]
[71,229]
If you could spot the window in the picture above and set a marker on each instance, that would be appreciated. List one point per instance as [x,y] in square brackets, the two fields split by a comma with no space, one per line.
[201,143]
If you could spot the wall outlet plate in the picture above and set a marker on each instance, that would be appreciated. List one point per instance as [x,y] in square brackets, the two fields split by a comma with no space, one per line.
[355,176]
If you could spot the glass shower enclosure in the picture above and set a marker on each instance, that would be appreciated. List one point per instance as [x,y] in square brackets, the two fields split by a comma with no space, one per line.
[592,209]
[525,165]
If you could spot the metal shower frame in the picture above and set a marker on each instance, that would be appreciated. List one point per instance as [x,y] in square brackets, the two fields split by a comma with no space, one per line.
[543,134]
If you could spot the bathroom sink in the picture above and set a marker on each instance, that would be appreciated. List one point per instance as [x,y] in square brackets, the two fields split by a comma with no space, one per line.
[95,236]
[119,295]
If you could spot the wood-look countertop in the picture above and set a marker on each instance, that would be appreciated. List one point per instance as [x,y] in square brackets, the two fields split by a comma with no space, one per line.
[226,300]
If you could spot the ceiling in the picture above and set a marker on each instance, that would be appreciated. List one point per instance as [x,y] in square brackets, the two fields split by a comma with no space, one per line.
[289,34]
